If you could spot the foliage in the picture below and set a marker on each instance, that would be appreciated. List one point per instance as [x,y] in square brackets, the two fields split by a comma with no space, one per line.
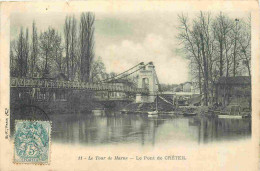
[50,52]
[216,46]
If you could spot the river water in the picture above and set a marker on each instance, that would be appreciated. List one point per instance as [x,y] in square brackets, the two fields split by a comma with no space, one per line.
[87,129]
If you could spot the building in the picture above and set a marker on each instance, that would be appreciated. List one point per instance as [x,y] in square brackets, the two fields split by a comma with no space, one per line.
[233,91]
[186,87]
[184,93]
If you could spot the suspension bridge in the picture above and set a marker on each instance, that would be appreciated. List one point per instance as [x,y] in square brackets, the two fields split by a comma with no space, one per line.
[56,84]
[146,83]
[146,86]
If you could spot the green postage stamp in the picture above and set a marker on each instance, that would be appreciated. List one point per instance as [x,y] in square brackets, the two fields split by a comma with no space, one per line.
[32,142]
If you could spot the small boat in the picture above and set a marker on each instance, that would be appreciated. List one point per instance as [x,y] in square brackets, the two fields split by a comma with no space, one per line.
[153,113]
[98,112]
[230,116]
[234,116]
[246,116]
[234,113]
[124,111]
[189,114]
[171,113]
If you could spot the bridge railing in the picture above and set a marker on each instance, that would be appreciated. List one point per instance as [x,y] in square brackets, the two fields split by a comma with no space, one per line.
[44,83]
[114,98]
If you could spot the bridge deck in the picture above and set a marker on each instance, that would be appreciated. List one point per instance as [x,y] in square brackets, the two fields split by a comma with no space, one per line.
[55,84]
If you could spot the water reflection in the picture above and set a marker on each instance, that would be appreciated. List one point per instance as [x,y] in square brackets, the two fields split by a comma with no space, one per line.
[125,129]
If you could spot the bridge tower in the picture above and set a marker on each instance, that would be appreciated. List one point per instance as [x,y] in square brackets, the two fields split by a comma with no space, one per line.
[147,79]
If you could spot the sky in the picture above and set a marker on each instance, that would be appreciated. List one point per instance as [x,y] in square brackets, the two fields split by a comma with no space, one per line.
[126,39]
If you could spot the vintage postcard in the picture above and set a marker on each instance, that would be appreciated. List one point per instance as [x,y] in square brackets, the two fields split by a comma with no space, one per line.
[113,85]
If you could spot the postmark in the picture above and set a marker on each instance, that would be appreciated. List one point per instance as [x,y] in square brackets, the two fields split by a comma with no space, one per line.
[32,142]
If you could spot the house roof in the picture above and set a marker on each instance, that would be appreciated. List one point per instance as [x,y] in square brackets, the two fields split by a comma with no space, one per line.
[234,80]
[187,83]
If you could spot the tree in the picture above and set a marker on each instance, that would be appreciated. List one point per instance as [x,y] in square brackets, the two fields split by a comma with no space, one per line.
[34,49]
[26,52]
[221,28]
[98,71]
[235,32]
[13,59]
[86,40]
[244,40]
[212,43]
[71,42]
[48,53]
[67,36]
[73,46]
[57,53]
[198,45]
[49,43]
[22,53]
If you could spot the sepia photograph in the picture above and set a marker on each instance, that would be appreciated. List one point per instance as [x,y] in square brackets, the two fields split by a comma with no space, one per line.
[139,78]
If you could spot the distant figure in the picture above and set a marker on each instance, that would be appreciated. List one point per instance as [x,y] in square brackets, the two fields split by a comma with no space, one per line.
[177,104]
[215,106]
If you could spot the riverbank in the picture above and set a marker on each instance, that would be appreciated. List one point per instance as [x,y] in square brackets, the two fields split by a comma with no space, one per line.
[144,108]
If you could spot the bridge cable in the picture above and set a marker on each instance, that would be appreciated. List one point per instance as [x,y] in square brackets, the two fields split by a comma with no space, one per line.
[121,73]
[158,83]
[132,72]
[160,90]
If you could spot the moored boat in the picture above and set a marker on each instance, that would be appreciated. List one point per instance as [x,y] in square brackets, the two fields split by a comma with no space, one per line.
[189,114]
[230,116]
[153,113]
[234,113]
[123,111]
[98,112]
